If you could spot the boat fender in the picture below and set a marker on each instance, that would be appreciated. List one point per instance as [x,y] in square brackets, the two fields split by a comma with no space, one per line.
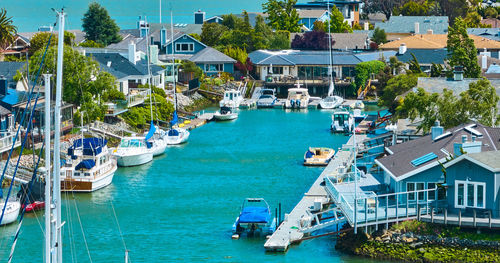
[292,103]
[235,236]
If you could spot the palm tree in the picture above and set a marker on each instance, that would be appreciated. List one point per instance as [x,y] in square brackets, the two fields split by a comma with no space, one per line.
[7,30]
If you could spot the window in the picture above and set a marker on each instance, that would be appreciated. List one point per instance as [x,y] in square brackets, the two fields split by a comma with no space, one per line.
[421,195]
[431,195]
[214,67]
[470,194]
[184,47]
[278,70]
[410,187]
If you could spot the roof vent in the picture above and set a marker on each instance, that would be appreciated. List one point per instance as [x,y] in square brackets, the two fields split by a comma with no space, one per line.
[436,130]
[108,64]
[473,131]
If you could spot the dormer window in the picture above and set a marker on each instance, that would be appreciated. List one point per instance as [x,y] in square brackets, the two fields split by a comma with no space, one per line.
[184,47]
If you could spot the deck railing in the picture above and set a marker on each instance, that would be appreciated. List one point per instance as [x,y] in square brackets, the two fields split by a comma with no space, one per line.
[6,140]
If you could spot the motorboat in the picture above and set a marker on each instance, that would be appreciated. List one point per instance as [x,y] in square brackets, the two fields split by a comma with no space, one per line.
[298,98]
[358,116]
[318,156]
[133,151]
[225,114]
[358,105]
[267,99]
[176,134]
[12,209]
[232,98]
[331,102]
[342,121]
[88,167]
[255,216]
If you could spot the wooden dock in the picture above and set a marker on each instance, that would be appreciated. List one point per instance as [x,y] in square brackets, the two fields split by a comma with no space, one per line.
[199,121]
[290,230]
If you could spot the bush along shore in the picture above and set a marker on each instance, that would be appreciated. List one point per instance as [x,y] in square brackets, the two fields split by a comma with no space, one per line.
[413,241]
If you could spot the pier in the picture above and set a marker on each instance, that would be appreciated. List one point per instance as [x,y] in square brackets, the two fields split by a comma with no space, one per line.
[299,222]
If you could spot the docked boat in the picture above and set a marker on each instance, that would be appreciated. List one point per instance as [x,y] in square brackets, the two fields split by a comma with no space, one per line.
[342,121]
[318,156]
[358,105]
[232,98]
[133,151]
[255,215]
[267,99]
[89,166]
[12,209]
[358,116]
[298,98]
[32,200]
[156,139]
[331,102]
[225,114]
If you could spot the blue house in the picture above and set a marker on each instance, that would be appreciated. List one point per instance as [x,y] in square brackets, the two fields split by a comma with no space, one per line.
[418,164]
[213,62]
[473,181]
[183,44]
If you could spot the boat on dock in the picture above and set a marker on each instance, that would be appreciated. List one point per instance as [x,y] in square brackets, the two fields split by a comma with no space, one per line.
[298,98]
[267,99]
[88,167]
[358,116]
[32,200]
[331,102]
[232,98]
[225,114]
[342,121]
[318,156]
[255,216]
[133,151]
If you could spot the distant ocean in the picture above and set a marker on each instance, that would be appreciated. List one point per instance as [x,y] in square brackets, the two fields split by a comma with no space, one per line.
[28,15]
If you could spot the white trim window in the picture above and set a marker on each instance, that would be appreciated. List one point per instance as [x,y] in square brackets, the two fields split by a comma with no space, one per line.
[414,186]
[470,194]
[184,47]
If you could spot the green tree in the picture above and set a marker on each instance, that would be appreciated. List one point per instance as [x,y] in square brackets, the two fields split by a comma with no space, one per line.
[413,64]
[231,21]
[357,26]
[190,67]
[365,69]
[436,70]
[40,40]
[395,87]
[211,33]
[414,9]
[318,25]
[282,15]
[491,12]
[454,8]
[379,36]
[99,27]
[7,30]
[473,19]
[481,100]
[196,36]
[280,40]
[90,43]
[337,23]
[461,49]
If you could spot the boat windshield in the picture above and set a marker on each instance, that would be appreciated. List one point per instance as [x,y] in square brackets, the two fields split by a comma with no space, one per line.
[267,92]
[266,97]
[341,118]
[131,143]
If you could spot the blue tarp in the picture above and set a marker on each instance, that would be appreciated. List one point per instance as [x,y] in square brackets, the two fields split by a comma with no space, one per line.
[91,146]
[87,164]
[151,131]
[309,154]
[252,214]
[174,119]
[173,132]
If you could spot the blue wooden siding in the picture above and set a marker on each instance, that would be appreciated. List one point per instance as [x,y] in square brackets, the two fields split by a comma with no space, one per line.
[308,22]
[185,39]
[466,169]
[227,67]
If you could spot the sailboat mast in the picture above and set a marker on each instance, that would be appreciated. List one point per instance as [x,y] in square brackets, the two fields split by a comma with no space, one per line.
[173,57]
[57,137]
[48,201]
[330,67]
[148,54]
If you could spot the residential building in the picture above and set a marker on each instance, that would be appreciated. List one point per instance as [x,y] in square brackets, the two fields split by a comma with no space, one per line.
[402,26]
[350,9]
[213,62]
[8,70]
[439,41]
[490,33]
[309,16]
[425,57]
[346,41]
[18,48]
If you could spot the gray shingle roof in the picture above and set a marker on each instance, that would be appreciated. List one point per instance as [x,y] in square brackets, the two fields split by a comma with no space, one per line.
[424,56]
[141,43]
[121,67]
[399,162]
[491,159]
[490,33]
[4,111]
[211,55]
[184,28]
[406,24]
[346,41]
[79,35]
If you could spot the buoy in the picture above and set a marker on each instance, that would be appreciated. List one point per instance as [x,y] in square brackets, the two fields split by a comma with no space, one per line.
[235,236]
[181,125]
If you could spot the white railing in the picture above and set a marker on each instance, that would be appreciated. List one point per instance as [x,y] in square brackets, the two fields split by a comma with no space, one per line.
[6,140]
[137,96]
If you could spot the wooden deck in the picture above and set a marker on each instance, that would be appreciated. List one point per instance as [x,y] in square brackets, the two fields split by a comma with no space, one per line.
[293,228]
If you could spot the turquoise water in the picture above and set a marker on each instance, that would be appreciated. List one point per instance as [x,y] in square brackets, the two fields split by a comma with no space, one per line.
[181,206]
[28,15]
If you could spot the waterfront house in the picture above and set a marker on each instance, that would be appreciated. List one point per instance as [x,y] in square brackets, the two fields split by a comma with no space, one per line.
[18,48]
[309,16]
[359,40]
[213,62]
[350,9]
[418,164]
[402,26]
[425,57]
[473,182]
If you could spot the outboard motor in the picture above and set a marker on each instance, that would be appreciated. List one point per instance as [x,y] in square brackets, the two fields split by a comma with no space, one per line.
[292,103]
[298,103]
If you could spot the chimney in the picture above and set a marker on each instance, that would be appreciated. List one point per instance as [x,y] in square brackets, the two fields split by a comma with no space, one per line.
[436,130]
[430,31]
[367,26]
[143,27]
[464,138]
[417,28]
[163,36]
[131,52]
[3,85]
[484,62]
[199,17]
[472,146]
[402,49]
[153,50]
[458,73]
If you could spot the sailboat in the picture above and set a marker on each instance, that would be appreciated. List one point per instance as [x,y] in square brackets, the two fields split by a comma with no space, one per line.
[176,134]
[330,101]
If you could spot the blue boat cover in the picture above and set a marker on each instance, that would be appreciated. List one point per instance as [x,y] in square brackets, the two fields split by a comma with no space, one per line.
[252,214]
[87,164]
[151,131]
[91,146]
[309,154]
[173,132]
[174,119]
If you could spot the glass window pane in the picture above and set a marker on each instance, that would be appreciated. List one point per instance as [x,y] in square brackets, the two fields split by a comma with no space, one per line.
[470,195]
[460,194]
[480,196]
[431,195]
[409,188]
[421,195]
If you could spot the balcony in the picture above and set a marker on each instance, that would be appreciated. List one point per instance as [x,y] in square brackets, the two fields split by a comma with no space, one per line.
[6,139]
[134,98]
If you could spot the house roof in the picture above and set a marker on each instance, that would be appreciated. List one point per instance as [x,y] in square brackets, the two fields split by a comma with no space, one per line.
[13,97]
[436,41]
[399,163]
[180,27]
[313,57]
[120,67]
[424,56]
[4,111]
[79,35]
[9,70]
[490,33]
[310,13]
[346,41]
[436,85]
[141,43]
[211,55]
[489,160]
[406,24]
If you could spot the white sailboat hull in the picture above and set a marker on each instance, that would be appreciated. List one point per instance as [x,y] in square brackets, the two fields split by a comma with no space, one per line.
[225,117]
[159,147]
[126,160]
[11,212]
[331,104]
[181,138]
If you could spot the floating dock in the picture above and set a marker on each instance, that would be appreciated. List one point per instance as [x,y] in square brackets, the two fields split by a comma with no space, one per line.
[201,120]
[248,104]
[290,230]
